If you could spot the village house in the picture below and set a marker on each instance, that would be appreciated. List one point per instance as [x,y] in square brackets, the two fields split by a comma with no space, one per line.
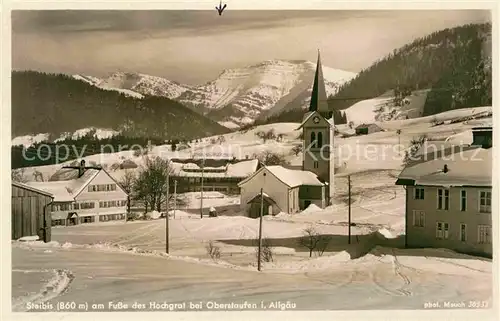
[449,197]
[84,195]
[214,174]
[284,190]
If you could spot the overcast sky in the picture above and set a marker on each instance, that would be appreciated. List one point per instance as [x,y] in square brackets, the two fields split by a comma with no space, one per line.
[195,46]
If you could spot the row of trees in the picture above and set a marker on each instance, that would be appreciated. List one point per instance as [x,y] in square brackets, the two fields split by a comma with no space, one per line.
[48,153]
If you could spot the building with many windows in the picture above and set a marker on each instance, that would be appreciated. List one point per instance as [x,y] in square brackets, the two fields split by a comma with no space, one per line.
[449,197]
[84,195]
[214,175]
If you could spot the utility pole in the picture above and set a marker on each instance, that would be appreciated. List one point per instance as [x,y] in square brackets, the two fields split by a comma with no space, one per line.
[166,215]
[260,227]
[175,196]
[399,140]
[201,199]
[349,218]
[128,208]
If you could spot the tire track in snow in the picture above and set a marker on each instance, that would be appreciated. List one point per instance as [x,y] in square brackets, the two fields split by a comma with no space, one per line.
[396,267]
[132,237]
[56,286]
[128,236]
[337,285]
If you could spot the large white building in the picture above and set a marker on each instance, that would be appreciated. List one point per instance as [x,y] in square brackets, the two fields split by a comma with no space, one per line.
[84,195]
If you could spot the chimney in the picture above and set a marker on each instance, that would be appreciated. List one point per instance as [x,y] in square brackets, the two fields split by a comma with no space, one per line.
[81,169]
[482,137]
[445,168]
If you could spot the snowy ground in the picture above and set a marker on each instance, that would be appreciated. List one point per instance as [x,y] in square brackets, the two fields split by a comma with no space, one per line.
[126,262]
[118,261]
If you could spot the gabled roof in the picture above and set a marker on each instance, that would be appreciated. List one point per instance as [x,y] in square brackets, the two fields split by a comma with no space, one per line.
[265,196]
[467,166]
[65,185]
[310,114]
[290,177]
[31,188]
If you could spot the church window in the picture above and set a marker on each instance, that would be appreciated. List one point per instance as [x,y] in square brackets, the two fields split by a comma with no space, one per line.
[320,140]
[313,139]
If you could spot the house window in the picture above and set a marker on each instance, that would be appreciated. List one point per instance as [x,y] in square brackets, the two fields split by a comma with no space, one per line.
[463,232]
[484,234]
[58,222]
[87,205]
[87,219]
[320,140]
[485,202]
[313,139]
[463,200]
[442,230]
[418,218]
[419,193]
[443,199]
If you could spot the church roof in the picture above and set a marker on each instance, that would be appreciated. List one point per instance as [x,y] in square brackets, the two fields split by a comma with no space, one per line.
[318,97]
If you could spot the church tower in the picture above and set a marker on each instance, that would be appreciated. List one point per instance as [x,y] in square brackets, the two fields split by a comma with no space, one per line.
[317,128]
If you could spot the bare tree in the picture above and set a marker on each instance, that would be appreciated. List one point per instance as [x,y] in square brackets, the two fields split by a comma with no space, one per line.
[269,158]
[314,241]
[213,251]
[297,149]
[151,183]
[266,254]
[221,139]
[127,183]
[17,175]
[265,136]
[38,176]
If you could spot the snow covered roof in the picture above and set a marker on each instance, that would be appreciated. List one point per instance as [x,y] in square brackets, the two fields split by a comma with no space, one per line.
[58,189]
[290,177]
[470,166]
[65,184]
[241,169]
[31,188]
[293,178]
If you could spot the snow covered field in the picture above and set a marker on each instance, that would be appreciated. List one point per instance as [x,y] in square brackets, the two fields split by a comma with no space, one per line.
[118,261]
[125,261]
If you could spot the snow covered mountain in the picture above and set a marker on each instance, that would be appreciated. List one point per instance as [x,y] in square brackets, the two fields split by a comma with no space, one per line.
[237,96]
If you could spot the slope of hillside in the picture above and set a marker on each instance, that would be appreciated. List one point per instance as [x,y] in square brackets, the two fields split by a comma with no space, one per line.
[454,64]
[57,104]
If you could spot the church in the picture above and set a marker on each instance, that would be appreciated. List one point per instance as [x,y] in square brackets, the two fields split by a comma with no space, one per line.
[290,190]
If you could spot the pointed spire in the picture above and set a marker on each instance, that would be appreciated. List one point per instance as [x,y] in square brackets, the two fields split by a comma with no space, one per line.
[318,97]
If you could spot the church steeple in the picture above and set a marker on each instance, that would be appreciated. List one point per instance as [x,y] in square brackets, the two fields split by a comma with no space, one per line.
[318,97]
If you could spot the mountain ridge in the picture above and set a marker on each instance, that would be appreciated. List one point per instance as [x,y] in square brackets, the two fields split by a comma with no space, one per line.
[244,94]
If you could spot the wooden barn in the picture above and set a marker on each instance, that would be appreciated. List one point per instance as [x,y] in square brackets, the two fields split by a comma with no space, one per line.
[365,129]
[31,212]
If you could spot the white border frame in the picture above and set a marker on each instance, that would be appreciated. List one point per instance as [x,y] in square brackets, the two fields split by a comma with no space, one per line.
[239,5]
